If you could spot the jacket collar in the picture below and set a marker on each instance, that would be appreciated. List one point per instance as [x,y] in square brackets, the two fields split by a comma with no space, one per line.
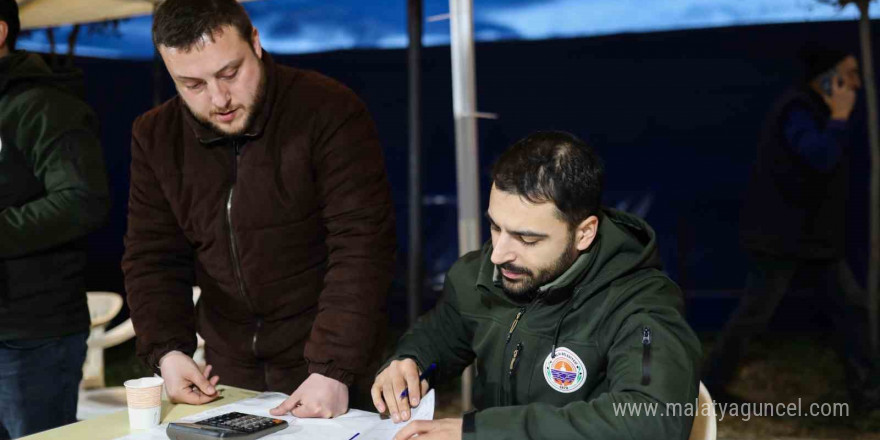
[208,137]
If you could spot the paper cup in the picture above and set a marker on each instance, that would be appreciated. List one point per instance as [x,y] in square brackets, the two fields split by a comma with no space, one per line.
[144,398]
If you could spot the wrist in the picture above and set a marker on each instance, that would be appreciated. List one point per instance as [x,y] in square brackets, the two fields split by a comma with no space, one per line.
[329,379]
[166,356]
[331,371]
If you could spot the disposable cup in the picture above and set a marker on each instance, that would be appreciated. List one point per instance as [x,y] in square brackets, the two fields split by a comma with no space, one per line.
[144,398]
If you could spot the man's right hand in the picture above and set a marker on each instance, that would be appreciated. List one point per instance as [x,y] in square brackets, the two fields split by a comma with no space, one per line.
[842,99]
[400,375]
[184,382]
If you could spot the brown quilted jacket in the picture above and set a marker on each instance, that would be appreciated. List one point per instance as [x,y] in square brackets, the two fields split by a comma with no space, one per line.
[289,230]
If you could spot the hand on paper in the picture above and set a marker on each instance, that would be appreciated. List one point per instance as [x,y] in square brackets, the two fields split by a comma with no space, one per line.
[442,429]
[390,383]
[317,397]
[184,382]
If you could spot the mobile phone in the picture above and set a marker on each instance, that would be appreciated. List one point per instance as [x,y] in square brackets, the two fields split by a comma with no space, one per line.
[825,81]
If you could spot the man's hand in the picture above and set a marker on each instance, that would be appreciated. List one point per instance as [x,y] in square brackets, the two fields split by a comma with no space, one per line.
[443,429]
[842,99]
[400,375]
[317,397]
[184,383]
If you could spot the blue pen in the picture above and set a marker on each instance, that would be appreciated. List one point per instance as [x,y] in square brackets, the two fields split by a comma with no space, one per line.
[422,377]
[352,437]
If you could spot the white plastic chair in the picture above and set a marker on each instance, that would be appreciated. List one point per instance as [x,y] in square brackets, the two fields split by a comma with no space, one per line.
[103,307]
[705,426]
[94,398]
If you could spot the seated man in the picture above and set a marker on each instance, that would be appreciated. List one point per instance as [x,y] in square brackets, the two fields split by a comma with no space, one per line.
[571,323]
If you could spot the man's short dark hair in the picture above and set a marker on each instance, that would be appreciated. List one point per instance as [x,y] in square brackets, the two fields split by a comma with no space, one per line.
[9,14]
[818,58]
[182,24]
[553,166]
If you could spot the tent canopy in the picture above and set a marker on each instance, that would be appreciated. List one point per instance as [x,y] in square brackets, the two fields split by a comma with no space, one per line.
[37,14]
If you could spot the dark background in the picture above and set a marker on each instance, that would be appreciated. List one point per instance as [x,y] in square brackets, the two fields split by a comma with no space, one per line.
[675,115]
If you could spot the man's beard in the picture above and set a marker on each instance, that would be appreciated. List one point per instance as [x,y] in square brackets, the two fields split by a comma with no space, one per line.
[252,111]
[526,288]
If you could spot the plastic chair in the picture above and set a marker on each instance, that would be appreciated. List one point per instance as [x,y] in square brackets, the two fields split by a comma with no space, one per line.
[94,398]
[103,307]
[705,425]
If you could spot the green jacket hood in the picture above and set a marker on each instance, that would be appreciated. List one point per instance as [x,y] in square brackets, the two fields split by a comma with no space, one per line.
[625,244]
[24,67]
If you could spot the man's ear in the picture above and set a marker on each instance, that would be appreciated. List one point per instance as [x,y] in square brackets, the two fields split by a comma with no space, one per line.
[586,232]
[4,33]
[258,48]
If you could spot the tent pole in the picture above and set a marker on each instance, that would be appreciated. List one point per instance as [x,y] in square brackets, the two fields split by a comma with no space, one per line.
[874,139]
[464,104]
[415,266]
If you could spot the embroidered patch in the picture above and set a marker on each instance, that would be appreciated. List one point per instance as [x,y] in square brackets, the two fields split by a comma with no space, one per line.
[566,372]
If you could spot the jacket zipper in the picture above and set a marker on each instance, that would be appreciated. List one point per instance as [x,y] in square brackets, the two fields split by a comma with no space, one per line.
[519,315]
[236,262]
[646,355]
[513,325]
[514,360]
[256,332]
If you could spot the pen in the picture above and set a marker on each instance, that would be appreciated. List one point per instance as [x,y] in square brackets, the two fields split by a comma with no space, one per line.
[422,377]
[352,437]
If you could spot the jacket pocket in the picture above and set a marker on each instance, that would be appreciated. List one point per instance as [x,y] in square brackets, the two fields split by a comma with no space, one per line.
[647,339]
[29,344]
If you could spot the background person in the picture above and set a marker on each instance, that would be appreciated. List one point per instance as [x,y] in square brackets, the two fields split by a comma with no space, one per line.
[53,192]
[793,223]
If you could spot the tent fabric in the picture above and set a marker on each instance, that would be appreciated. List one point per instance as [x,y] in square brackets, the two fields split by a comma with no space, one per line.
[36,14]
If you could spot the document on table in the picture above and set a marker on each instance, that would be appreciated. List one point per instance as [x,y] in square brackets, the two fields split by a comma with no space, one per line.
[366,425]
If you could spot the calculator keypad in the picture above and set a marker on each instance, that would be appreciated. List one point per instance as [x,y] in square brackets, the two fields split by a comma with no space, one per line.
[241,422]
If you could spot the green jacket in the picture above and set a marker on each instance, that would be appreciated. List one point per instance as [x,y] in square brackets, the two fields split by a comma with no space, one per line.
[615,321]
[53,192]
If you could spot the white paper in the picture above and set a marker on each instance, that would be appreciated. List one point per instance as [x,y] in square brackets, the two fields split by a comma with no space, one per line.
[367,425]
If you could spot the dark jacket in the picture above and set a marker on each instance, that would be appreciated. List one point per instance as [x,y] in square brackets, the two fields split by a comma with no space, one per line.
[794,208]
[53,192]
[288,230]
[614,310]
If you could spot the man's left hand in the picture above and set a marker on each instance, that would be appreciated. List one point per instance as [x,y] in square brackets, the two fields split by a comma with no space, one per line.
[317,397]
[443,429]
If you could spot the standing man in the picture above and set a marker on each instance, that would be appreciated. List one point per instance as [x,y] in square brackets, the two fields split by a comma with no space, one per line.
[793,223]
[571,322]
[53,192]
[265,186]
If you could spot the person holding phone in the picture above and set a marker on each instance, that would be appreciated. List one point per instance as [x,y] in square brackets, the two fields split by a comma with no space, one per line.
[793,223]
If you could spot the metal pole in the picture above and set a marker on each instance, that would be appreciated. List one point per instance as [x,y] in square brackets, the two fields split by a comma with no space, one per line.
[414,65]
[464,105]
[874,201]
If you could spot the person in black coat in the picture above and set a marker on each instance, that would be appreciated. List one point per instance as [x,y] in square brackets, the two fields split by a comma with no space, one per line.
[793,222]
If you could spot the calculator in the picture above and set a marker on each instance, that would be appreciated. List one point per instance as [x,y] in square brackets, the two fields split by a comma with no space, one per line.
[234,425]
